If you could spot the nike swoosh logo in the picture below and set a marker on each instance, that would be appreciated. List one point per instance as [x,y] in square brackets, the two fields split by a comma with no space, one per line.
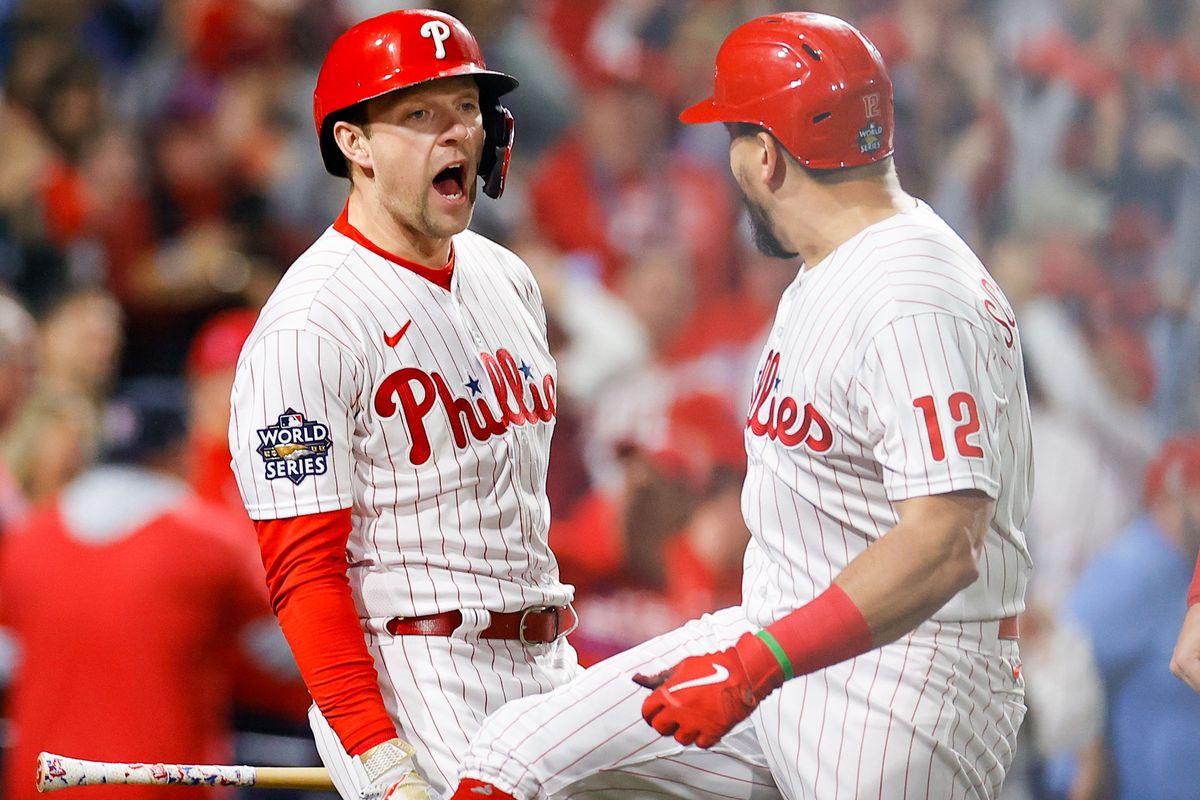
[720,674]
[487,790]
[394,339]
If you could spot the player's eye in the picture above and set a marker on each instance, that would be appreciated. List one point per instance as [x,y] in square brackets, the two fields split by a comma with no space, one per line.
[470,106]
[418,115]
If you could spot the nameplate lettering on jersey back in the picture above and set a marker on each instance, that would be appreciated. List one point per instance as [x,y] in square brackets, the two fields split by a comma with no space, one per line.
[415,393]
[294,447]
[781,418]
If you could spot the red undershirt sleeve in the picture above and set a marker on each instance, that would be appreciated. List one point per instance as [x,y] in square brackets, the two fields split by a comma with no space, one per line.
[826,631]
[305,561]
[1194,589]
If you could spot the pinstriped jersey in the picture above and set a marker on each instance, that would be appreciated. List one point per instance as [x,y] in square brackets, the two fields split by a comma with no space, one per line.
[427,411]
[893,371]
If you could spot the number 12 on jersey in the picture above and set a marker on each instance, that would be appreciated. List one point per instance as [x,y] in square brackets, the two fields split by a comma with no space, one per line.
[964,412]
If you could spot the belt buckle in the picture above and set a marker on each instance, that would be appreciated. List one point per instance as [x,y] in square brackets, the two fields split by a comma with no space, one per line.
[521,624]
[557,630]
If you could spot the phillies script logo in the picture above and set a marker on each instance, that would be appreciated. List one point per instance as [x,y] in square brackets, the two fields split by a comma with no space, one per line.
[782,420]
[415,392]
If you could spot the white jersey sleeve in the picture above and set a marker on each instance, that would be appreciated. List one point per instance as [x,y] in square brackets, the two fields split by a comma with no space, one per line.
[293,417]
[930,405]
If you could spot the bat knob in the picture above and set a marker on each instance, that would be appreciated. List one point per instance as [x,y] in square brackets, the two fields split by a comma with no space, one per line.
[43,771]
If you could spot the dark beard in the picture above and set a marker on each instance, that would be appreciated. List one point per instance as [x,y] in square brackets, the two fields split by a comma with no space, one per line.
[764,238]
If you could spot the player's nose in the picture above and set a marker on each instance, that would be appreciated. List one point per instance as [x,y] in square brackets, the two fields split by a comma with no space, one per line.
[456,132]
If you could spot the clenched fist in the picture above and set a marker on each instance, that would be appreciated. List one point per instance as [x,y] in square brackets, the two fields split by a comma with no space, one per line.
[701,698]
[391,773]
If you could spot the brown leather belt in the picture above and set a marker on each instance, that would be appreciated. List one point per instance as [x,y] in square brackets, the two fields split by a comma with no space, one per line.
[1010,628]
[535,625]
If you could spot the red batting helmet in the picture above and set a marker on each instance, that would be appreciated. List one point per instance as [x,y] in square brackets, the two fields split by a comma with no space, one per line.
[812,80]
[401,49]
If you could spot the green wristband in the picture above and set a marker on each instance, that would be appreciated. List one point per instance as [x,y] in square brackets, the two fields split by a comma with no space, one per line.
[777,651]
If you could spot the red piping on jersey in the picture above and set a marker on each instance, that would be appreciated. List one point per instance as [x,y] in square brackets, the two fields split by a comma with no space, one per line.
[438,276]
[305,560]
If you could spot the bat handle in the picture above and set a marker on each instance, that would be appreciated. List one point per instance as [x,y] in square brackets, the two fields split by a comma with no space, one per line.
[314,778]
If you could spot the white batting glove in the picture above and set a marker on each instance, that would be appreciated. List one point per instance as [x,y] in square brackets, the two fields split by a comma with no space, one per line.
[391,773]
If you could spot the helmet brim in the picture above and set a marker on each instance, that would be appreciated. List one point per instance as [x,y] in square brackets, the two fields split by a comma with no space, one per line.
[703,112]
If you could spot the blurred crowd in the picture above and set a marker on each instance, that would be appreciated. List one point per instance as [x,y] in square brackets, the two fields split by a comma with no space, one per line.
[159,171]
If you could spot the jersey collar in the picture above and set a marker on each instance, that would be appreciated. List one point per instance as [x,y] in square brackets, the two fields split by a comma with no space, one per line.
[439,276]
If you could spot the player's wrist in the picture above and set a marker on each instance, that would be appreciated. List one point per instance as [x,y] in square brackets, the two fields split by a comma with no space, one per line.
[764,669]
[826,631]
[391,773]
[372,742]
[387,758]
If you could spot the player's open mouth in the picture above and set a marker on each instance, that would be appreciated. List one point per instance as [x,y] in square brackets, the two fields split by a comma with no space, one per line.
[451,182]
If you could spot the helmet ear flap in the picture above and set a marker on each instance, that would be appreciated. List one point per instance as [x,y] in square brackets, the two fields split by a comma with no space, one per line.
[499,131]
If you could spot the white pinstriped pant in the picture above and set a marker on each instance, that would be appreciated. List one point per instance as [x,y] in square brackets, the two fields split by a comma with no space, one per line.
[438,690]
[934,715]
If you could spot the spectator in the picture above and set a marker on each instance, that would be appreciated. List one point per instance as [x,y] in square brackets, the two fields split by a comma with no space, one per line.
[125,654]
[211,362]
[53,439]
[611,189]
[675,524]
[17,368]
[270,697]
[703,562]
[1129,601]
[80,345]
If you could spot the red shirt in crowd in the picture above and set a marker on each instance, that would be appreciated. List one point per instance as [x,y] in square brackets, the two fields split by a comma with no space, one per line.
[127,638]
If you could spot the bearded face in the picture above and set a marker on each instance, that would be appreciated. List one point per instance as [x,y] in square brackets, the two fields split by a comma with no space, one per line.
[764,234]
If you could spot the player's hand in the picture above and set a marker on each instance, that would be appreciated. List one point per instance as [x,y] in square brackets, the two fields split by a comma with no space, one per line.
[391,773]
[701,698]
[1185,663]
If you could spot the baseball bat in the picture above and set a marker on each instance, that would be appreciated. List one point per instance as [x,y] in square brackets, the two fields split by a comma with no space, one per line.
[61,772]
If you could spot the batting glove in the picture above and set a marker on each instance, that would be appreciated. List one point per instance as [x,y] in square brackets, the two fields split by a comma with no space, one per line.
[701,698]
[391,773]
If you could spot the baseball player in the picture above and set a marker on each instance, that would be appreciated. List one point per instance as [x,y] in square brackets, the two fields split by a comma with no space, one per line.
[391,422]
[887,436]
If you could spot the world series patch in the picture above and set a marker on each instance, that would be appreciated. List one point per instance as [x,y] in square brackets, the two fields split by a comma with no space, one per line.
[870,138]
[294,447]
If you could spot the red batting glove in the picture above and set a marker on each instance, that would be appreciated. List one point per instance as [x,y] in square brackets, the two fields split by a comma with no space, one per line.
[701,698]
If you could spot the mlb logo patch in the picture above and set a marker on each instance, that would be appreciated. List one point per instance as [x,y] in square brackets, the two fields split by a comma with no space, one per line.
[294,447]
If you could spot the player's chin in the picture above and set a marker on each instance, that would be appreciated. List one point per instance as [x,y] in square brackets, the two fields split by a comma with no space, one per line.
[450,215]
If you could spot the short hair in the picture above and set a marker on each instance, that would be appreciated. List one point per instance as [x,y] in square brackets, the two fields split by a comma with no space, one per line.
[828,176]
[355,115]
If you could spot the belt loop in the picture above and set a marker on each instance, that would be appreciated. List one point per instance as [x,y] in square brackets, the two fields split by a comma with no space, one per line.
[570,607]
[376,628]
[474,622]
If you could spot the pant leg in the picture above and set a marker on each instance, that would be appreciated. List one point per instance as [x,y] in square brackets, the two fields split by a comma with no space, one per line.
[438,690]
[588,738]
[934,715]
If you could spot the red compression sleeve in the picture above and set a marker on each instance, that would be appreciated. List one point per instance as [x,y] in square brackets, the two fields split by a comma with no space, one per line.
[826,631]
[1194,589]
[305,559]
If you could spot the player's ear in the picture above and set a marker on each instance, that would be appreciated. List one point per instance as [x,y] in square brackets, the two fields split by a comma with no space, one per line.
[772,160]
[352,140]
